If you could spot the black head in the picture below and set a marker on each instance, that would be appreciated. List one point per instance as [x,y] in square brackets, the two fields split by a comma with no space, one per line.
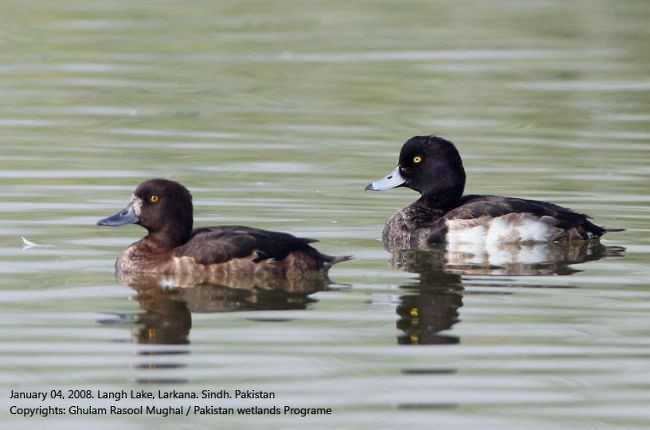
[161,206]
[430,165]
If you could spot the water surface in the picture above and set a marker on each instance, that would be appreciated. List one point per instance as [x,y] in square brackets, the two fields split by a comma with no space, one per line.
[277,115]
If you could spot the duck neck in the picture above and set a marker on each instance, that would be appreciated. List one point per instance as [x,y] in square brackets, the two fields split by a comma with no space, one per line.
[443,199]
[169,236]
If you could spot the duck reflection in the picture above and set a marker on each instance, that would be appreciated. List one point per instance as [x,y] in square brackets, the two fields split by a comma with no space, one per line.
[168,302]
[432,305]
[429,308]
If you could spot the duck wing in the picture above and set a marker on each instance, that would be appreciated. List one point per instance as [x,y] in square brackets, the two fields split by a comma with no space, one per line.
[210,245]
[476,206]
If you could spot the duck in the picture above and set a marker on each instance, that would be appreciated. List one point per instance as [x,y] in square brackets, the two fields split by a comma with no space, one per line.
[173,247]
[432,166]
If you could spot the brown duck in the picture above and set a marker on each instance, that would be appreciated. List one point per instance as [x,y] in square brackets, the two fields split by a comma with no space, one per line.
[172,247]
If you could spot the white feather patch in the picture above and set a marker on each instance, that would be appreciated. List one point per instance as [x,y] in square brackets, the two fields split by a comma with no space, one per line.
[137,204]
[477,234]
[509,228]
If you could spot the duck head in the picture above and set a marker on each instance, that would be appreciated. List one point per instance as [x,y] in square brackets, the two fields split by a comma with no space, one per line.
[431,166]
[162,207]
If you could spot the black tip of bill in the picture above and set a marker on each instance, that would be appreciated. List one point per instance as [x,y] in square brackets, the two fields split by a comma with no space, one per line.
[393,180]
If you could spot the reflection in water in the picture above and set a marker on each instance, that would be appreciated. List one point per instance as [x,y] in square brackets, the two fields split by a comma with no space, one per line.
[167,305]
[168,302]
[432,305]
[167,311]
[513,259]
[429,308]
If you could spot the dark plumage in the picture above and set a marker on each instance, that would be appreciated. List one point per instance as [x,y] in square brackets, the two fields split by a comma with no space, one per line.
[209,245]
[172,247]
[433,167]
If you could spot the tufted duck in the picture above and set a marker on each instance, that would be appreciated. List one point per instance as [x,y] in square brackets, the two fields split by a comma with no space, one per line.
[432,166]
[172,247]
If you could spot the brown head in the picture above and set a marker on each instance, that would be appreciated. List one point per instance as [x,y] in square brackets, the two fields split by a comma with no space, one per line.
[161,206]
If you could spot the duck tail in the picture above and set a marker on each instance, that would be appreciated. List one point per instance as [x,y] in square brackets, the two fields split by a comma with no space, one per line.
[592,230]
[330,260]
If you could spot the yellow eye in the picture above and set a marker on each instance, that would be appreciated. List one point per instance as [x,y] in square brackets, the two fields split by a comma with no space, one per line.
[417,159]
[154,199]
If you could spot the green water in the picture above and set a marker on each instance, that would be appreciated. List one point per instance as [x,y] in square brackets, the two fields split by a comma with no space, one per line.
[276,115]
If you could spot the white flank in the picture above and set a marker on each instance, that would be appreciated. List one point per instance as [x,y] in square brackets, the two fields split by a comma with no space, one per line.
[510,228]
[533,229]
[460,234]
[486,240]
[502,229]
